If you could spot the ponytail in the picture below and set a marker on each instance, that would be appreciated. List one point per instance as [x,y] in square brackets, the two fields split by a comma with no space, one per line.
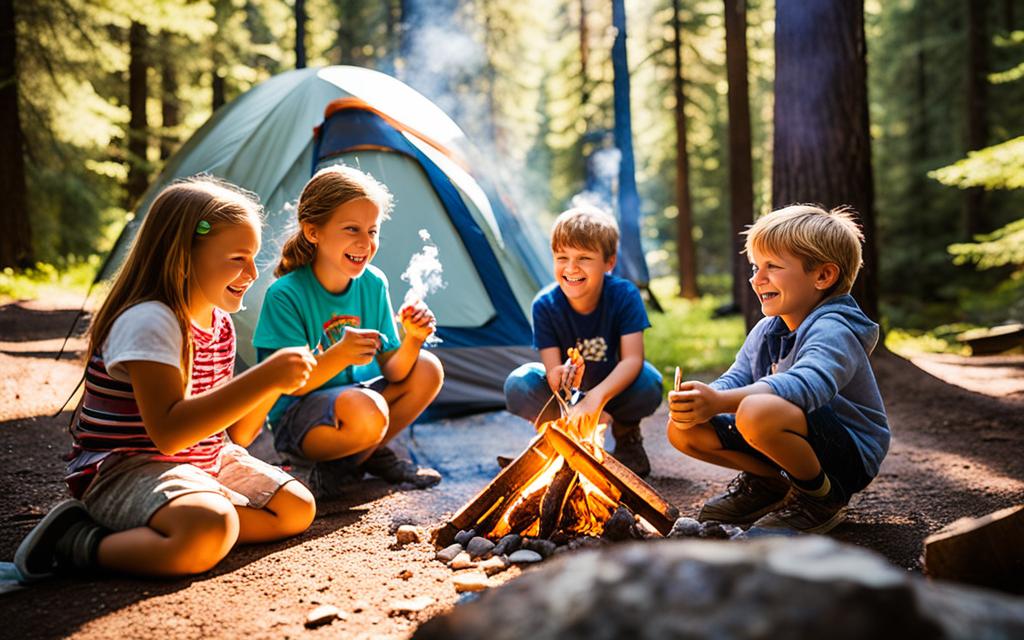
[297,252]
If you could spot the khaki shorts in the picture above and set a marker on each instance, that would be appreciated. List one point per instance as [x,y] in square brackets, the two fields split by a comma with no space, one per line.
[128,490]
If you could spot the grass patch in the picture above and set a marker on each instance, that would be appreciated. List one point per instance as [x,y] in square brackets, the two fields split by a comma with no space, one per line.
[686,335]
[911,342]
[74,275]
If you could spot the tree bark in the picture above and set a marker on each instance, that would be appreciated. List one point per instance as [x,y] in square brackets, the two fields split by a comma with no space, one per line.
[584,55]
[685,250]
[138,124]
[822,146]
[741,173]
[974,218]
[16,239]
[169,108]
[300,34]
[632,263]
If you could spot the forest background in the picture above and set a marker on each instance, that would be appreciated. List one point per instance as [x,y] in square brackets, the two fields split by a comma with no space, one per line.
[96,95]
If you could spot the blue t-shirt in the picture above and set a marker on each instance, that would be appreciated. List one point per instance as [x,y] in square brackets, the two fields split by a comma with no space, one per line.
[298,311]
[620,311]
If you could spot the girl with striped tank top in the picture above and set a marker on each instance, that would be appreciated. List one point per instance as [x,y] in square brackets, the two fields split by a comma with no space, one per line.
[161,486]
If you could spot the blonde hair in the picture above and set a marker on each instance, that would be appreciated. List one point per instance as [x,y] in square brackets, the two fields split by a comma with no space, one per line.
[327,190]
[159,263]
[586,228]
[815,236]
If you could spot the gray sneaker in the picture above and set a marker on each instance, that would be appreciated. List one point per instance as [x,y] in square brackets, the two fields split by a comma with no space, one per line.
[807,514]
[386,465]
[329,479]
[746,498]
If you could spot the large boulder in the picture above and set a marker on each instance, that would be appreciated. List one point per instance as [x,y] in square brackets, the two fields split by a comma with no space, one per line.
[776,588]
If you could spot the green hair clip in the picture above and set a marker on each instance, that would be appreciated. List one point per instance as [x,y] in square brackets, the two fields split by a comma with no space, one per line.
[203,228]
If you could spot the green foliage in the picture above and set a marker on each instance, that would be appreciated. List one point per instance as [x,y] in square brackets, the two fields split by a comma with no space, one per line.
[685,335]
[68,275]
[1004,246]
[942,339]
[997,167]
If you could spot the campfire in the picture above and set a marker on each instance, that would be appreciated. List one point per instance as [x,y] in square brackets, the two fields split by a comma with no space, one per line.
[564,486]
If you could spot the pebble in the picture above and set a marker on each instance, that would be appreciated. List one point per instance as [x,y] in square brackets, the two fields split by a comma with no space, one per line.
[544,547]
[462,561]
[713,530]
[405,574]
[448,554]
[685,527]
[619,526]
[407,534]
[493,565]
[324,614]
[507,545]
[463,537]
[479,547]
[409,605]
[470,581]
[525,556]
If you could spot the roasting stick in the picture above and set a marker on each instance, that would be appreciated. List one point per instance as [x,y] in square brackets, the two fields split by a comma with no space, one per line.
[678,380]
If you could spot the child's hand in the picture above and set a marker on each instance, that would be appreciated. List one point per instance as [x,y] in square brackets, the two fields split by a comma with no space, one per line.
[564,376]
[289,368]
[590,405]
[694,403]
[358,346]
[418,320]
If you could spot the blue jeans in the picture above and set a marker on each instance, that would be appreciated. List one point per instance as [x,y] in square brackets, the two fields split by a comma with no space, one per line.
[527,391]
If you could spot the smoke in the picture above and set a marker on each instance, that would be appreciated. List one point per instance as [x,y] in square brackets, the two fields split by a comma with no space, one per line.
[602,180]
[424,275]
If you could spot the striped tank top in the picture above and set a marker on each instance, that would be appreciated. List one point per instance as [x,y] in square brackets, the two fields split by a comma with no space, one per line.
[108,419]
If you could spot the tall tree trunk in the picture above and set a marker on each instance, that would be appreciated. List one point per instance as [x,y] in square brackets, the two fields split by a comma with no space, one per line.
[974,218]
[169,113]
[300,34]
[16,239]
[686,252]
[822,147]
[631,256]
[1009,17]
[138,124]
[221,13]
[345,37]
[741,172]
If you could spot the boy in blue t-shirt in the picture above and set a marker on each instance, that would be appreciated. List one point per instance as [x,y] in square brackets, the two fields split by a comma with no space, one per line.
[604,317]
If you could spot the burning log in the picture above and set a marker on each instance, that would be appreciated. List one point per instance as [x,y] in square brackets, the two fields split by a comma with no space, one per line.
[614,480]
[494,499]
[555,499]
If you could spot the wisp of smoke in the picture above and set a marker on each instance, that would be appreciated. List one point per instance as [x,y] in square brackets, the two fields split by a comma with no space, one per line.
[424,275]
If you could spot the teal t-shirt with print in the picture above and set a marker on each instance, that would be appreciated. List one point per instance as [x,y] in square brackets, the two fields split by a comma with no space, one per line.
[298,311]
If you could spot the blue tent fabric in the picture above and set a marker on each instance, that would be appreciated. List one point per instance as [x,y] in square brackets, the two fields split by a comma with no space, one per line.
[349,129]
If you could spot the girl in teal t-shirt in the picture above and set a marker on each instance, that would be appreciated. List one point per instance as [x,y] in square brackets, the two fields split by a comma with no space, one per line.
[368,384]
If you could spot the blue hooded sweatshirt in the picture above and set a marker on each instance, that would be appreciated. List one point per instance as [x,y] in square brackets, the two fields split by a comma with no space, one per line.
[823,363]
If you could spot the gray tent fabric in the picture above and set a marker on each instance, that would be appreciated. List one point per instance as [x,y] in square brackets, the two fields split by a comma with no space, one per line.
[263,142]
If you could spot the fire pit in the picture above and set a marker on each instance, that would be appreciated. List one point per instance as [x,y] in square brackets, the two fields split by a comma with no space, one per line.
[563,486]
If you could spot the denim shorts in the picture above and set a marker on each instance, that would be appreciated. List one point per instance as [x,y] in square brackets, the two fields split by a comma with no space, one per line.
[832,444]
[312,410]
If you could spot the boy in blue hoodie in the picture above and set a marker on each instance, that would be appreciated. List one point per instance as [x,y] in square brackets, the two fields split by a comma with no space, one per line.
[798,413]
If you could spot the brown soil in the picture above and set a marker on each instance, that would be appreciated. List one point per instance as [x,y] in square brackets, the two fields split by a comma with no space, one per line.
[955,453]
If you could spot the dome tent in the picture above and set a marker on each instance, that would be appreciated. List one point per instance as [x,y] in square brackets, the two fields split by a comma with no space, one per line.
[271,139]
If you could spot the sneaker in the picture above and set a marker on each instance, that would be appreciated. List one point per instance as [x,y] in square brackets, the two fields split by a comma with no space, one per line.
[387,466]
[327,479]
[40,552]
[629,450]
[746,498]
[807,514]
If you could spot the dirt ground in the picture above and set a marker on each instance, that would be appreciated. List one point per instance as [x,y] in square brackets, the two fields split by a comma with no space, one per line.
[956,452]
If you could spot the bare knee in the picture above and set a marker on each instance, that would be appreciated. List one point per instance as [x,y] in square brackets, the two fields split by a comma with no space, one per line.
[366,414]
[294,508]
[759,417]
[428,373]
[202,528]
[685,440]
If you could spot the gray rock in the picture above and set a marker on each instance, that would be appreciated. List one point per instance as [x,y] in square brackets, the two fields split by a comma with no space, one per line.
[493,565]
[585,542]
[544,547]
[479,547]
[324,614]
[525,556]
[713,530]
[507,545]
[619,527]
[448,554]
[806,587]
[685,527]
[463,537]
